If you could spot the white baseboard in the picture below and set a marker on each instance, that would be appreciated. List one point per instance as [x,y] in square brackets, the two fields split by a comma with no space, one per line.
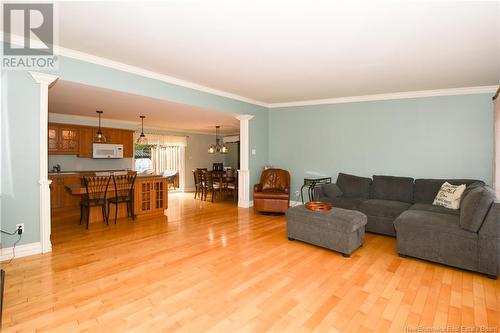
[250,203]
[189,189]
[21,251]
[295,203]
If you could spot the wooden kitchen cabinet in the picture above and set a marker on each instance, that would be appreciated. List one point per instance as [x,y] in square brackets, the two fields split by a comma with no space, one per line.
[78,140]
[127,138]
[63,139]
[56,189]
[150,195]
[86,140]
[60,198]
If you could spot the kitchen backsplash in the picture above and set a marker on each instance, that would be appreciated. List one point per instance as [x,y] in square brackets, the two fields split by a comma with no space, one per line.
[72,163]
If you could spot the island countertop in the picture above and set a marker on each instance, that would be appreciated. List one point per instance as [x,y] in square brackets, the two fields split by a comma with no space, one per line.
[150,196]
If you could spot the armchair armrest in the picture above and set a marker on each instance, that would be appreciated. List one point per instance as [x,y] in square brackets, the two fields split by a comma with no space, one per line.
[257,188]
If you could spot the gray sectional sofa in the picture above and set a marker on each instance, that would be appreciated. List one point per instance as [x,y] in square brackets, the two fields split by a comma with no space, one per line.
[467,238]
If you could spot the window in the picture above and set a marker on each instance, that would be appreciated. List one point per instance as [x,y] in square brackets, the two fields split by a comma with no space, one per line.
[163,155]
[143,161]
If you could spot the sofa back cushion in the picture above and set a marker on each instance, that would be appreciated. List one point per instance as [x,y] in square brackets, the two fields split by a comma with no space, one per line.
[475,207]
[427,189]
[392,188]
[354,186]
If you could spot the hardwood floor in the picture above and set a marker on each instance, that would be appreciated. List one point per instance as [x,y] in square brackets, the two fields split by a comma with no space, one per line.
[214,267]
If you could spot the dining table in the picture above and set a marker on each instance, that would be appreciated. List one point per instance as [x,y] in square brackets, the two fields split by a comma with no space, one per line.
[224,179]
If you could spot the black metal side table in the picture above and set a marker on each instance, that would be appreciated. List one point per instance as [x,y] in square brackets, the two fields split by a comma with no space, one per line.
[310,183]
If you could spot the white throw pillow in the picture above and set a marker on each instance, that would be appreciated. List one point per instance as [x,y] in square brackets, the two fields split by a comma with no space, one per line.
[449,196]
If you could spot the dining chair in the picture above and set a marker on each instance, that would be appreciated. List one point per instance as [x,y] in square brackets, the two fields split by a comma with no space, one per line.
[96,190]
[197,184]
[124,193]
[209,186]
[231,183]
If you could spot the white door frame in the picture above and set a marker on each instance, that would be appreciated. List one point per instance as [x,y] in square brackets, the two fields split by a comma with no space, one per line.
[44,80]
[244,172]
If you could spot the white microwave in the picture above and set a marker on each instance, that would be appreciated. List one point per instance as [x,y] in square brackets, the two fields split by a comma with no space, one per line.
[106,150]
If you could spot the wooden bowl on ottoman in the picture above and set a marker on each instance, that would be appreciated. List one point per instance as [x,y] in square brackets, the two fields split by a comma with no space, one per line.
[318,206]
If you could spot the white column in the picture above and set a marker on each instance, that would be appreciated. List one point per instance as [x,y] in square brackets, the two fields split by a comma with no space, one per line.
[44,80]
[244,172]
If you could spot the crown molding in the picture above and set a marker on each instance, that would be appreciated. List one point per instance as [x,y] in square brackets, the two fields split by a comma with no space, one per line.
[152,75]
[398,95]
[70,53]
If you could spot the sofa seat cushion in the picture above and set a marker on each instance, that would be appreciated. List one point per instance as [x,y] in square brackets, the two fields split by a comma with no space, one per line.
[346,203]
[270,194]
[383,208]
[432,222]
[437,237]
[427,189]
[354,186]
[475,207]
[435,209]
[392,188]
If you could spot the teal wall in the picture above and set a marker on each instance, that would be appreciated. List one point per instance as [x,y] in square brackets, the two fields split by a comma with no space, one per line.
[20,131]
[449,136]
[95,75]
[20,156]
[231,158]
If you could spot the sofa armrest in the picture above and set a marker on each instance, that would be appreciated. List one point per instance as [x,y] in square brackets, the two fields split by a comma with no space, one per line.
[327,190]
[491,224]
[257,188]
[489,242]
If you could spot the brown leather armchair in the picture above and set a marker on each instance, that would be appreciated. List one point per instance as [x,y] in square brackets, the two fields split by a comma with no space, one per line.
[272,194]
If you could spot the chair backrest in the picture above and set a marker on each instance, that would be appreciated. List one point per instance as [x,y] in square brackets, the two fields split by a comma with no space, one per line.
[124,184]
[275,179]
[195,177]
[230,173]
[96,187]
[207,178]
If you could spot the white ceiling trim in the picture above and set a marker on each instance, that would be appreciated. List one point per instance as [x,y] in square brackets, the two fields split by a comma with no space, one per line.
[15,39]
[351,99]
[152,75]
[398,95]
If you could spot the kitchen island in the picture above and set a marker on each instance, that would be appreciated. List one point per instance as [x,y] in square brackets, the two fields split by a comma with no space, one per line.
[150,195]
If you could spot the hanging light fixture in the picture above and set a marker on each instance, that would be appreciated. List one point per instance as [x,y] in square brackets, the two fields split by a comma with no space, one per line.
[218,147]
[142,140]
[99,137]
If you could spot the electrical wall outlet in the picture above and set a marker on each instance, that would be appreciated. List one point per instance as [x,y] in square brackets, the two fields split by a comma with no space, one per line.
[20,225]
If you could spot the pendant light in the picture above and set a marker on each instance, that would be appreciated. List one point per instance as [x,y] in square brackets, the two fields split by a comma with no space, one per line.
[99,137]
[142,140]
[217,148]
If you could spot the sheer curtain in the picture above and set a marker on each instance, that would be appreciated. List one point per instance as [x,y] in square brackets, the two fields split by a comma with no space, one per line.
[168,158]
[496,159]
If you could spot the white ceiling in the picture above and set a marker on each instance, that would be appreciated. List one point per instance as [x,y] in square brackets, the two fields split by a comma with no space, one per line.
[81,100]
[284,51]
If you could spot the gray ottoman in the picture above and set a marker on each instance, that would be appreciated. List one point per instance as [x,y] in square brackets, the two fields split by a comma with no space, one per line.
[338,229]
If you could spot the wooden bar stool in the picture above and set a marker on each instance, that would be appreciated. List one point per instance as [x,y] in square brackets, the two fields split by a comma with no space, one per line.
[124,193]
[96,189]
